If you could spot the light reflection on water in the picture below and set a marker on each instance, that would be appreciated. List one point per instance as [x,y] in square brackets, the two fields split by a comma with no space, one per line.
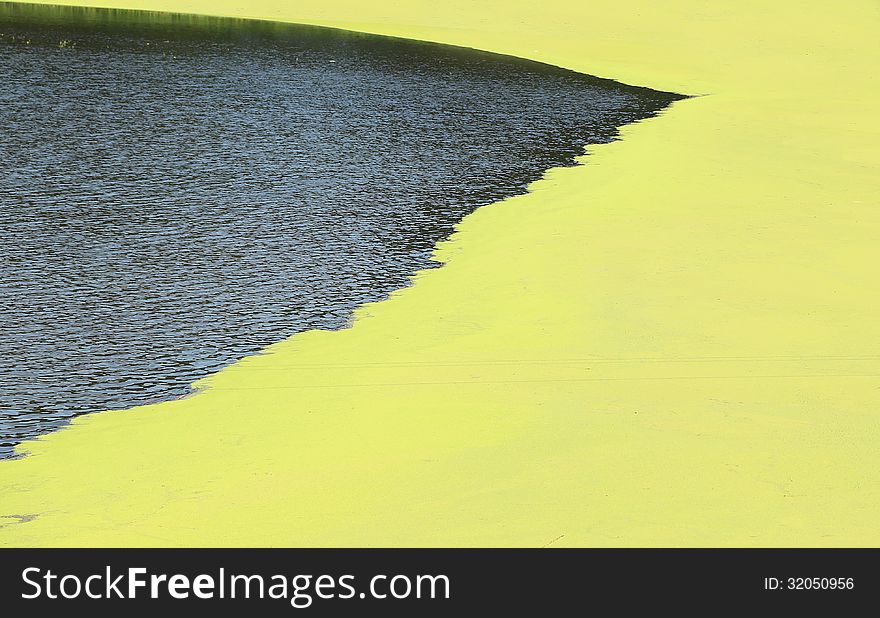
[178,192]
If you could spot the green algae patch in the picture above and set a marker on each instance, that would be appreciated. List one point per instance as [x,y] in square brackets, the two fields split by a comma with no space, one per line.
[641,351]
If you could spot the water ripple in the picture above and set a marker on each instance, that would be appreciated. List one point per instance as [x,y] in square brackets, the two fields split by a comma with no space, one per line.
[177,192]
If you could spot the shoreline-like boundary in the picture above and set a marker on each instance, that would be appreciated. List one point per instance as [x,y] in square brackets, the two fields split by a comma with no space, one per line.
[671,345]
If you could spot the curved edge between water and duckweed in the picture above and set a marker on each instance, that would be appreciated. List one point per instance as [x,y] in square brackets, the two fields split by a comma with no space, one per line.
[632,373]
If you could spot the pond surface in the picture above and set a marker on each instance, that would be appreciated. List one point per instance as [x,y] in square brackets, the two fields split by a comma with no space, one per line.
[177,193]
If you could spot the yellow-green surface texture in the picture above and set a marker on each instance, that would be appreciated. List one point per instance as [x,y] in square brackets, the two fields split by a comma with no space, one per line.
[675,344]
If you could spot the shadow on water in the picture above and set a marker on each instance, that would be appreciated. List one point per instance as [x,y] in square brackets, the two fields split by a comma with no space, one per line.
[177,192]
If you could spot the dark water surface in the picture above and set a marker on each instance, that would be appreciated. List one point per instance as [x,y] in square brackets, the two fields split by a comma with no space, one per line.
[179,192]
